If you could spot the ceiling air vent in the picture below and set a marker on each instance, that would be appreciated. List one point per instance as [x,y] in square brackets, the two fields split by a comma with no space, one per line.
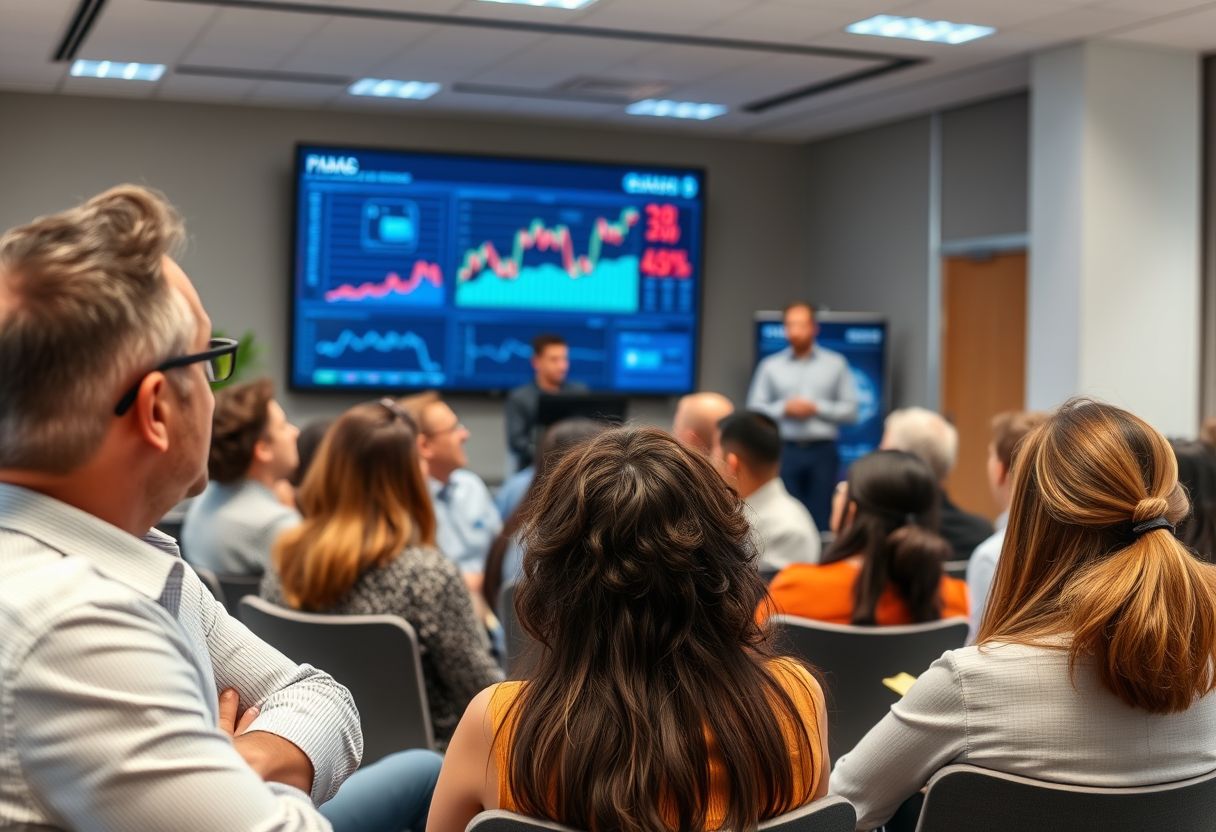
[623,90]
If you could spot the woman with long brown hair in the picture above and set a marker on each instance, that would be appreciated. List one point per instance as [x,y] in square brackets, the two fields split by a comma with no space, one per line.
[885,565]
[656,702]
[1094,660]
[367,545]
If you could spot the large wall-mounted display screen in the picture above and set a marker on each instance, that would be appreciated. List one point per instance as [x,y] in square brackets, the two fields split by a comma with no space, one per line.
[421,270]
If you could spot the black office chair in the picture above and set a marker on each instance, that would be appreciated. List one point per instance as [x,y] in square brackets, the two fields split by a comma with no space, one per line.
[375,656]
[855,660]
[828,814]
[963,797]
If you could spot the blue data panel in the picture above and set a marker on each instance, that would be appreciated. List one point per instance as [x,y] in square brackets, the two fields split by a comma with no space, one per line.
[435,270]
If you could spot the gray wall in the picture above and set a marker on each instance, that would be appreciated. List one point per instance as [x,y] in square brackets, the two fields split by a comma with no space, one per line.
[870,218]
[985,162]
[868,232]
[229,171]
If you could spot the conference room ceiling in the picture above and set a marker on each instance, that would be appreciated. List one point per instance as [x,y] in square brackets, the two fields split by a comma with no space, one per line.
[787,69]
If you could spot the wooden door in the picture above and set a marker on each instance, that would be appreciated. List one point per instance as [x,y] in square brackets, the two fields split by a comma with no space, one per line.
[983,362]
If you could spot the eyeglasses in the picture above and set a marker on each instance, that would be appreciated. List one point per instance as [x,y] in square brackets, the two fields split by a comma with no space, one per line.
[220,356]
[398,412]
[441,431]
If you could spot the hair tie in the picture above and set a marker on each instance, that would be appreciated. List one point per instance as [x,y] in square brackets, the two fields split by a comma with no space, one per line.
[1151,525]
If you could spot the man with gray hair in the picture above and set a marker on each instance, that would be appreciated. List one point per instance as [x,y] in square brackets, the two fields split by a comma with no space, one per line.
[926,434]
[116,665]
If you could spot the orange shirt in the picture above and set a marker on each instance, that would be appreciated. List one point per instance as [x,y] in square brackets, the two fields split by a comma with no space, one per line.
[825,593]
[793,677]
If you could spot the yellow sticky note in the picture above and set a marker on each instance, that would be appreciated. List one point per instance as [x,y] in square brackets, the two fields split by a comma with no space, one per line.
[901,683]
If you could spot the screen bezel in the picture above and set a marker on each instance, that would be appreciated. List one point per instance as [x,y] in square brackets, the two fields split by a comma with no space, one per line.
[301,147]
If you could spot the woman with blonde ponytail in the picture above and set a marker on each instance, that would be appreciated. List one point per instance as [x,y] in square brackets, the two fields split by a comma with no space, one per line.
[1094,661]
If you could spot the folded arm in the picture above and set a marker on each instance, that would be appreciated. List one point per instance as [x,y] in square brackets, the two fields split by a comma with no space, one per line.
[114,732]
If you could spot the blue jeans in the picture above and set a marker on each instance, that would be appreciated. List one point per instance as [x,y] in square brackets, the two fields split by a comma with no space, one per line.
[809,471]
[393,794]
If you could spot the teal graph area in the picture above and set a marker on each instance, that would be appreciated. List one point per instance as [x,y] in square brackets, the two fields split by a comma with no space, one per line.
[611,287]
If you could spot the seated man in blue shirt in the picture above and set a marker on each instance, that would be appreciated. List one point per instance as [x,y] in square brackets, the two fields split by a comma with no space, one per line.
[466,519]
[231,527]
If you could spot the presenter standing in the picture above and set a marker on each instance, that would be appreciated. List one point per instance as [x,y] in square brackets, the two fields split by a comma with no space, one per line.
[810,391]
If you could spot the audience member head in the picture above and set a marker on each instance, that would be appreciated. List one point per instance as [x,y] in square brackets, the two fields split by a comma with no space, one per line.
[1089,556]
[364,500]
[640,535]
[748,449]
[441,436]
[1008,430]
[924,433]
[1207,432]
[307,444]
[696,420]
[90,304]
[1197,473]
[550,361]
[800,326]
[250,436]
[558,440]
[886,511]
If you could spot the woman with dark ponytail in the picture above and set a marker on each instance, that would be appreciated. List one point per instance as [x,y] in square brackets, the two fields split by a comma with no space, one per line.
[1094,661]
[885,566]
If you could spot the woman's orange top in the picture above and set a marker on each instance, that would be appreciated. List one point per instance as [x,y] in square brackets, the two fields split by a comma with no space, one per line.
[825,593]
[793,677]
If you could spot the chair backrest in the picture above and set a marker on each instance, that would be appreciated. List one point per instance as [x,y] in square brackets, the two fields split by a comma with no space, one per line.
[828,814]
[967,797]
[375,656]
[955,569]
[212,582]
[855,660]
[522,650]
[237,587]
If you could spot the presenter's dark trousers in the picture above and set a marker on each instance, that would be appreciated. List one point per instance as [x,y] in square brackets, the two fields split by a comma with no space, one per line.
[809,471]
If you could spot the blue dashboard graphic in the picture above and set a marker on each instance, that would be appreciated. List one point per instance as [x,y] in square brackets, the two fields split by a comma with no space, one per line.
[435,270]
[862,340]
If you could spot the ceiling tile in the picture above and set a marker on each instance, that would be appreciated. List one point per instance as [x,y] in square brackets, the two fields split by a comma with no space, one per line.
[683,64]
[997,14]
[452,54]
[781,22]
[769,77]
[251,39]
[153,33]
[557,59]
[683,16]
[349,46]
[1195,31]
[1079,23]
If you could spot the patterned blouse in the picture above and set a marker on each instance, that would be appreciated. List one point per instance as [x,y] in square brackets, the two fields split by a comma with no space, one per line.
[425,588]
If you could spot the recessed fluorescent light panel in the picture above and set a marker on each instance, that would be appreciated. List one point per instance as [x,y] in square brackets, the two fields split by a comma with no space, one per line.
[122,70]
[547,4]
[917,28]
[663,108]
[388,88]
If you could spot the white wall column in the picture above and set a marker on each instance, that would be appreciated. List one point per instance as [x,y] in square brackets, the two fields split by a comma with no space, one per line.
[1114,287]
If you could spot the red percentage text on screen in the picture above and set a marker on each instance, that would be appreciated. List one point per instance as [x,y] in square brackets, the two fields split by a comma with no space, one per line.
[662,224]
[666,262]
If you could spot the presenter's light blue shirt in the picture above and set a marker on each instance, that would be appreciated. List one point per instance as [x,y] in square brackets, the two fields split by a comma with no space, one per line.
[822,377]
[466,519]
